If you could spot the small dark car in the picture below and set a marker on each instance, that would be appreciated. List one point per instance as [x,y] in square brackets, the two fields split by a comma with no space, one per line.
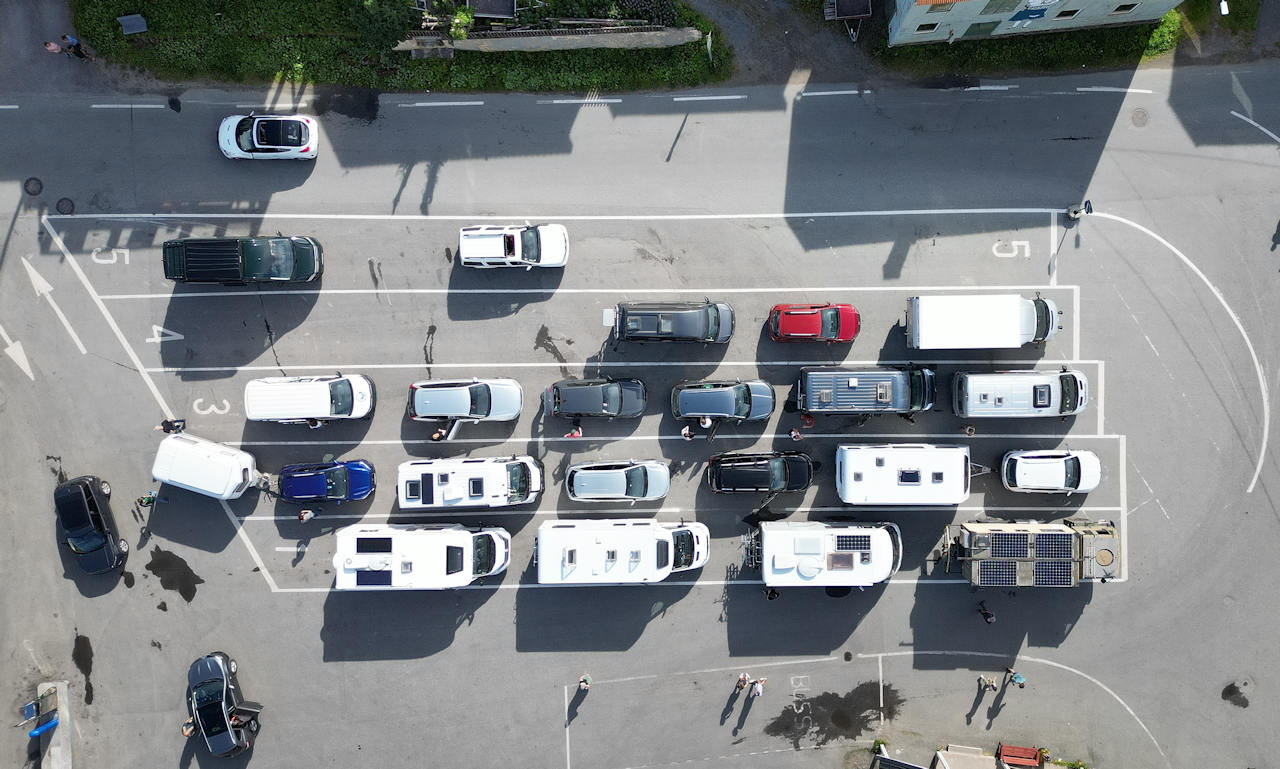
[771,472]
[735,401]
[86,525]
[606,398]
[704,321]
[214,700]
[327,481]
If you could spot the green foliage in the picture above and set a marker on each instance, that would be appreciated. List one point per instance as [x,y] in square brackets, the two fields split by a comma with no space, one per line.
[463,19]
[809,8]
[1165,36]
[382,23]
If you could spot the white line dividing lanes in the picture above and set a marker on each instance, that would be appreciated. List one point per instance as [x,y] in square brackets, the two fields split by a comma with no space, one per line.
[1255,125]
[442,104]
[672,437]
[1110,89]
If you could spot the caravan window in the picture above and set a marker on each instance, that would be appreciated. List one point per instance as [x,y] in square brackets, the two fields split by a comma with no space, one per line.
[908,477]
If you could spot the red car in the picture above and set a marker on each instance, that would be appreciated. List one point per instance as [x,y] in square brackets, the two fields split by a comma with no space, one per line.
[813,323]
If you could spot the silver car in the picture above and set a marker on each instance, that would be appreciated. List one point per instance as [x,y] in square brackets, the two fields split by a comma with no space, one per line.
[465,400]
[619,481]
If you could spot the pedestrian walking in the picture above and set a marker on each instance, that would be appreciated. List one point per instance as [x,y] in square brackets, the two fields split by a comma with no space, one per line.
[146,500]
[439,434]
[807,420]
[771,594]
[306,515]
[52,47]
[1017,678]
[189,727]
[743,680]
[576,432]
[795,434]
[75,48]
[704,423]
[757,687]
[987,683]
[314,424]
[687,433]
[169,426]
[584,683]
[970,430]
[986,613]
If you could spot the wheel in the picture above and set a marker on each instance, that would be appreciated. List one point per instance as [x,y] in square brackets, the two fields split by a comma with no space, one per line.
[254,726]
[124,547]
[231,665]
[105,488]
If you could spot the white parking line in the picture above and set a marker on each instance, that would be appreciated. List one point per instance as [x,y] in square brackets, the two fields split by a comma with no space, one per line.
[990,87]
[579,101]
[442,104]
[730,97]
[1110,89]
[473,511]
[8,106]
[672,437]
[716,583]
[128,106]
[851,92]
[292,108]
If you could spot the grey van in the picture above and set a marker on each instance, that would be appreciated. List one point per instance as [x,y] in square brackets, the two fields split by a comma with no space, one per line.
[866,390]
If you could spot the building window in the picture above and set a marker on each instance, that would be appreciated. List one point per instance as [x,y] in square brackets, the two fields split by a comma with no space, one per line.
[1124,8]
[940,7]
[1071,14]
[1000,6]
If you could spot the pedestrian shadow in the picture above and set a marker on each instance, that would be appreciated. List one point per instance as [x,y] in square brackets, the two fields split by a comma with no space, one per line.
[977,701]
[997,704]
[742,717]
[729,705]
[578,697]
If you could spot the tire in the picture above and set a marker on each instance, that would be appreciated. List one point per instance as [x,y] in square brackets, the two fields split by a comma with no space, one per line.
[231,665]
[105,488]
[124,546]
[254,726]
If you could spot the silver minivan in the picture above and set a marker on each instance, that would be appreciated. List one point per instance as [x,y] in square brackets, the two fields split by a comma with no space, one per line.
[1019,393]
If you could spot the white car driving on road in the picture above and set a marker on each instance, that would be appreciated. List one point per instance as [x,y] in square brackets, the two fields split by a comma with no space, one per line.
[269,137]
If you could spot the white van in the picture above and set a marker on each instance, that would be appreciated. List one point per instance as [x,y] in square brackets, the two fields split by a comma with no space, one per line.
[195,464]
[809,553]
[297,399]
[420,556]
[618,552]
[978,321]
[1019,393]
[485,482]
[902,474]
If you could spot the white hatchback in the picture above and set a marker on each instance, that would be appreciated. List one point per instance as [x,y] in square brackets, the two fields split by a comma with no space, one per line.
[629,481]
[269,137]
[1051,472]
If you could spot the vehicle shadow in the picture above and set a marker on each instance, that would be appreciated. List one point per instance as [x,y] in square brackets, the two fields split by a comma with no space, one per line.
[370,625]
[478,294]
[89,585]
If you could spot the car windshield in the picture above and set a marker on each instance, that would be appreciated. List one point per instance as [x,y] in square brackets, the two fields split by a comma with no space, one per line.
[683,541]
[530,246]
[777,474]
[774,325]
[341,399]
[1043,318]
[1070,394]
[637,482]
[741,401]
[87,542]
[480,401]
[483,554]
[335,482]
[1072,470]
[1011,473]
[244,134]
[713,321]
[271,258]
[916,389]
[517,482]
[611,397]
[830,323]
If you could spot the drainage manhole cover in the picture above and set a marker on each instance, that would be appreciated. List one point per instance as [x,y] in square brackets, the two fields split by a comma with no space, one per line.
[65,206]
[1139,117]
[33,186]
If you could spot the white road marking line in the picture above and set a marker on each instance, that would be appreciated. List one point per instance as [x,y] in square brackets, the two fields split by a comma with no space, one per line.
[1099,394]
[730,97]
[8,106]
[990,87]
[704,671]
[1047,507]
[43,289]
[716,583]
[1075,325]
[102,307]
[443,104]
[128,106]
[13,349]
[673,437]
[1053,249]
[566,727]
[300,547]
[1110,89]
[1124,513]
[253,551]
[1255,125]
[851,92]
[477,511]
[1021,658]
[1257,366]
[579,101]
[294,108]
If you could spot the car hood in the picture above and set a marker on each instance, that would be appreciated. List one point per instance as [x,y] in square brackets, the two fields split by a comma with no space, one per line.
[726,322]
[1090,471]
[799,472]
[658,477]
[554,241]
[761,400]
[451,402]
[360,479]
[204,669]
[633,398]
[506,400]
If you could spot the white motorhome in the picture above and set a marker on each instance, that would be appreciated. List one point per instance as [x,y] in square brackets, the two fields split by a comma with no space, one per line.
[978,321]
[1019,393]
[618,552]
[813,553]
[298,399]
[483,482]
[195,464]
[422,556]
[902,474]
[1031,554]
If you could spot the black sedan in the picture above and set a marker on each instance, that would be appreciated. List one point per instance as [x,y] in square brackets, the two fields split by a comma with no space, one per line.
[607,398]
[217,706]
[86,525]
[774,472]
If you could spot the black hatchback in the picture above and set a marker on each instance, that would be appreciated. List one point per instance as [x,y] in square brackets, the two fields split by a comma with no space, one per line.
[86,525]
[217,706]
[774,472]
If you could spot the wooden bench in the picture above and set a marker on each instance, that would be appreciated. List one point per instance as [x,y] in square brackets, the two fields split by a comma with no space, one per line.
[1015,755]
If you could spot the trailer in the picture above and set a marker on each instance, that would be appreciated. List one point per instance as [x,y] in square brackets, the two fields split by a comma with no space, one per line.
[1031,554]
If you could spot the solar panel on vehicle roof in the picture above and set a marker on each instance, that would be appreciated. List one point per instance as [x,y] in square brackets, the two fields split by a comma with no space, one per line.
[380,578]
[853,542]
[1009,545]
[997,573]
[1053,574]
[1056,545]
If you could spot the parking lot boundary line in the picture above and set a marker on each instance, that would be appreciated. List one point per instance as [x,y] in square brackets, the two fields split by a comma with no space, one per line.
[1075,317]
[959,508]
[566,728]
[704,671]
[473,511]
[1099,394]
[717,583]
[672,437]
[1124,512]
[248,545]
[1047,362]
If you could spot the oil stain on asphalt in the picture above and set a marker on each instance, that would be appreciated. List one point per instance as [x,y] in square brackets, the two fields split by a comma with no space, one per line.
[829,715]
[82,655]
[174,573]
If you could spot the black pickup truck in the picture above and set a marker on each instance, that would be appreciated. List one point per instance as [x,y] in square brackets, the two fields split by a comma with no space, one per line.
[237,261]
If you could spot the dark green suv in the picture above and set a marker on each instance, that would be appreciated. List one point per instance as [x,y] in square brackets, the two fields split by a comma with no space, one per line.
[237,261]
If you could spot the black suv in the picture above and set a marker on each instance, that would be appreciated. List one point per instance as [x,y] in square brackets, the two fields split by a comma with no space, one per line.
[237,261]
[217,706]
[704,321]
[86,525]
[607,398]
[774,472]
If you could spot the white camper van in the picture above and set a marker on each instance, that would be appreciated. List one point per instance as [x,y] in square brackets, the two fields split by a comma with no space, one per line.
[422,556]
[618,552]
[297,399]
[890,474]
[195,464]
[452,483]
[1019,393]
[978,321]
[809,553]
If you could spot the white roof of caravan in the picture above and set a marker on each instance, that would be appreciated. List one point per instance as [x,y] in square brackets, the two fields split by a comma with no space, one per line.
[579,552]
[902,474]
[202,466]
[965,321]
[410,557]
[798,553]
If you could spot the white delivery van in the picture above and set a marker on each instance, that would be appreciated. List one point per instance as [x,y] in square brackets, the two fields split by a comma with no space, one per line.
[420,556]
[978,321]
[195,464]
[484,482]
[1019,393]
[297,399]
[499,245]
[891,474]
[618,552]
[808,553]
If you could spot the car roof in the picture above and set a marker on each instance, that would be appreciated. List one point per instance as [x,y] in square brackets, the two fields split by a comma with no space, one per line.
[599,482]
[708,399]
[70,501]
[680,320]
[279,131]
[584,397]
[451,400]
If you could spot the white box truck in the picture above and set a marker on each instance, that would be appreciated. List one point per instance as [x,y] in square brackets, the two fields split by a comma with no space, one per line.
[979,321]
[813,553]
[891,474]
[618,551]
[421,556]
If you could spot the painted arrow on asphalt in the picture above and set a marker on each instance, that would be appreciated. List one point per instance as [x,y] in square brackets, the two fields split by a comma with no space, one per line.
[14,351]
[45,290]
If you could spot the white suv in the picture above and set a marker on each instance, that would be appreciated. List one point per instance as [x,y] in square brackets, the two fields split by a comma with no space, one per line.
[529,245]
[1051,472]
